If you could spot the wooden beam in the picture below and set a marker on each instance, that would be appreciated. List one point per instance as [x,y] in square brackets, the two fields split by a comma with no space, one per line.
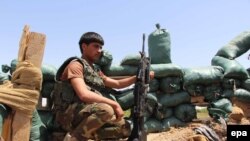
[23,44]
[31,49]
[35,48]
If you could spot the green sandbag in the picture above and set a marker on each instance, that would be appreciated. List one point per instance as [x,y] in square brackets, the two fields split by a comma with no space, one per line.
[4,111]
[202,75]
[132,60]
[38,131]
[126,100]
[116,70]
[48,71]
[232,68]
[165,70]
[105,59]
[47,88]
[172,100]
[242,94]
[159,46]
[236,47]
[172,122]
[154,85]
[231,83]
[212,92]
[170,84]
[47,118]
[216,113]
[246,84]
[223,104]
[153,125]
[4,77]
[227,93]
[195,89]
[185,112]
[163,113]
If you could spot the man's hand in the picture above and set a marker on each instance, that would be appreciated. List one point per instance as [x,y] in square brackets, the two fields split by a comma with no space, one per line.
[118,112]
[151,75]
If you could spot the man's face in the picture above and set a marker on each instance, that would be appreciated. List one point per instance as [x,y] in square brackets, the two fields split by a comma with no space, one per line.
[92,51]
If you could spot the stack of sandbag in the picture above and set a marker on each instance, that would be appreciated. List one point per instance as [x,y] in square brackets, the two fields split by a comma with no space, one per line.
[167,103]
[235,82]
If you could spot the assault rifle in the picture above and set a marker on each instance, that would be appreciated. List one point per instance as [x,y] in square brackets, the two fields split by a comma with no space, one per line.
[140,92]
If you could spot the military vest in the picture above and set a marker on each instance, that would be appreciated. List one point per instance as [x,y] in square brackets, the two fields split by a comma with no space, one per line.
[64,94]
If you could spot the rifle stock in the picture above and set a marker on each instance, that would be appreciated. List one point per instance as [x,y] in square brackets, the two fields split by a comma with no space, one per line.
[141,88]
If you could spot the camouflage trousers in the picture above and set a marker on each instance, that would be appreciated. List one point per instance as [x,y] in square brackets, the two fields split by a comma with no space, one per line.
[93,121]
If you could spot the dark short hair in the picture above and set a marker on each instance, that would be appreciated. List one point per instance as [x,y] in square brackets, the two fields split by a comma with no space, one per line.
[90,37]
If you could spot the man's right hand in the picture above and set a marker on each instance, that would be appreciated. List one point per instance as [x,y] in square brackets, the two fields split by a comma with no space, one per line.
[118,112]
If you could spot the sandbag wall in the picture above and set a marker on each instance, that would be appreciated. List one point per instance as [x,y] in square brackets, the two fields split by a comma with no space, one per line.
[235,82]
[168,103]
[42,120]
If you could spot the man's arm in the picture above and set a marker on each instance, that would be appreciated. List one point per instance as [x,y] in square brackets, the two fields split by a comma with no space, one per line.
[90,97]
[122,83]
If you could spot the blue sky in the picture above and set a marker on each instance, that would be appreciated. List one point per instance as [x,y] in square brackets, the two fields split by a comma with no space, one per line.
[198,29]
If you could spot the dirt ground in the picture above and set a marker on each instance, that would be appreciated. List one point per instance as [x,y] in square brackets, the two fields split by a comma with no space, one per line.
[184,133]
[179,133]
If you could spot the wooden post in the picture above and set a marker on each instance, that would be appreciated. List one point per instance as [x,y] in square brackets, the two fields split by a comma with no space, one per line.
[31,49]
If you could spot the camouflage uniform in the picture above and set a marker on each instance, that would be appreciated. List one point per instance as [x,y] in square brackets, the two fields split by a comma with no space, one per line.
[92,121]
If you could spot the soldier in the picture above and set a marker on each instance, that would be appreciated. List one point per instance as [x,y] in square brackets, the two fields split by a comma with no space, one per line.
[80,108]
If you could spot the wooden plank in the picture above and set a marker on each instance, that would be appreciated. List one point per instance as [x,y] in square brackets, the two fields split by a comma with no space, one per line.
[21,127]
[23,43]
[35,48]
[31,49]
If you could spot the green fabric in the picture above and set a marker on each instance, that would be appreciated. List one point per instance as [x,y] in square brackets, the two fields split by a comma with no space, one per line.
[227,93]
[172,122]
[212,92]
[224,104]
[195,89]
[203,75]
[231,83]
[154,85]
[216,113]
[153,125]
[47,88]
[48,71]
[165,70]
[38,131]
[159,46]
[170,84]
[132,60]
[4,111]
[47,118]
[242,94]
[3,77]
[246,84]
[232,68]
[163,113]
[105,59]
[172,100]
[236,47]
[185,112]
[116,70]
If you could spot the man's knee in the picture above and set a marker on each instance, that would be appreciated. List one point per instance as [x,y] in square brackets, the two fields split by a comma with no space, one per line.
[104,111]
